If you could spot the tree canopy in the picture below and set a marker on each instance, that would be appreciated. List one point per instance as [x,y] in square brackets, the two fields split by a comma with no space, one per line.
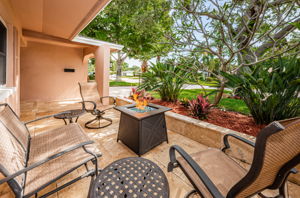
[238,33]
[138,25]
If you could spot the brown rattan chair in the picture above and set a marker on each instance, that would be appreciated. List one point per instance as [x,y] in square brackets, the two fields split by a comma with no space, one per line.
[93,104]
[31,163]
[214,174]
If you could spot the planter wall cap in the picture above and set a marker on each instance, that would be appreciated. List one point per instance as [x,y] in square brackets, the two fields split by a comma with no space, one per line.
[120,101]
[207,125]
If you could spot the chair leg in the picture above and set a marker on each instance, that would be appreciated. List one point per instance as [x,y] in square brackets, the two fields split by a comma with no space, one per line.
[89,122]
[190,193]
[263,196]
[283,190]
[98,119]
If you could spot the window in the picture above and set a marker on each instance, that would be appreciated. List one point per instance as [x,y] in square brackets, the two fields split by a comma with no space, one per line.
[2,54]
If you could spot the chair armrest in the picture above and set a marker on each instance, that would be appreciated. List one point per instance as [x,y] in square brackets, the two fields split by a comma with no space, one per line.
[226,142]
[114,99]
[199,171]
[24,170]
[294,171]
[88,101]
[41,118]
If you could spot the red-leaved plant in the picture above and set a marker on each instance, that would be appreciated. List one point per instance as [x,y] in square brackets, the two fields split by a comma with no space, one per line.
[134,91]
[200,107]
[140,94]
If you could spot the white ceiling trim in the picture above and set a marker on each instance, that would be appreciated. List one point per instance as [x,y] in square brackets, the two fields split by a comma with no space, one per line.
[90,41]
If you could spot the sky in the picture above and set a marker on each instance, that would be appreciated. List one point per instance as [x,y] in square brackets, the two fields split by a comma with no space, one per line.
[134,62]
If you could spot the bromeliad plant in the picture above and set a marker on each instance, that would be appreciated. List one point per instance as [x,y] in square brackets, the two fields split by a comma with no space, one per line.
[271,89]
[135,92]
[138,93]
[199,107]
[166,78]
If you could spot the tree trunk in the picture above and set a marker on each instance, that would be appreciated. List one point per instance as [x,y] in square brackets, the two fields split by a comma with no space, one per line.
[158,59]
[119,67]
[220,93]
[144,66]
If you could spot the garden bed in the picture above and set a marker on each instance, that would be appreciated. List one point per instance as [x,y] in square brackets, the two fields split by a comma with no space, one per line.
[227,119]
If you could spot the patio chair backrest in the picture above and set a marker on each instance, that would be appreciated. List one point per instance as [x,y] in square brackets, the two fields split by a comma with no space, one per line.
[89,91]
[13,146]
[11,121]
[277,151]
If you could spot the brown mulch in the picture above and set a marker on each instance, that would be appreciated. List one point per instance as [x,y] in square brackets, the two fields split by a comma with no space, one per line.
[228,119]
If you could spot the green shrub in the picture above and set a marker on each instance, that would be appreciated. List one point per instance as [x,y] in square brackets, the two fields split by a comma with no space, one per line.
[91,76]
[210,79]
[165,78]
[270,89]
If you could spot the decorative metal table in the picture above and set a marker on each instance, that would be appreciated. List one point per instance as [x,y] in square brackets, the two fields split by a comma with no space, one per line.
[142,131]
[132,177]
[69,115]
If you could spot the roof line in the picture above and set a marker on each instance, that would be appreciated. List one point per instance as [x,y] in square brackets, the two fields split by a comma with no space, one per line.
[90,41]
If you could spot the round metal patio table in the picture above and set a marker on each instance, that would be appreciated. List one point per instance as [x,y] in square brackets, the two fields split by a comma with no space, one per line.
[69,115]
[132,177]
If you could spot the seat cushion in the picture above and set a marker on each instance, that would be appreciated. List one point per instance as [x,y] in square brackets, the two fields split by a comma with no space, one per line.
[12,154]
[100,106]
[104,107]
[223,171]
[48,143]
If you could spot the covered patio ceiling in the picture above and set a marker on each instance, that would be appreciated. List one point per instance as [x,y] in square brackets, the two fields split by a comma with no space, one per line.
[63,19]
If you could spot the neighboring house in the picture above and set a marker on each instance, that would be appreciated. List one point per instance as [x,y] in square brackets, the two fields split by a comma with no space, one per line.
[42,58]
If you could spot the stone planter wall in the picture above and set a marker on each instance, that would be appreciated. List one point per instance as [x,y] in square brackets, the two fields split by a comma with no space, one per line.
[209,135]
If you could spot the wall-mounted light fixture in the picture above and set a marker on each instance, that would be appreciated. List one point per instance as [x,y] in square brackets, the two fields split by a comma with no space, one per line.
[69,70]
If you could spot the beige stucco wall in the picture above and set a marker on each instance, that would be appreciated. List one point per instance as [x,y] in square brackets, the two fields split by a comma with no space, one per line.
[42,72]
[36,71]
[10,20]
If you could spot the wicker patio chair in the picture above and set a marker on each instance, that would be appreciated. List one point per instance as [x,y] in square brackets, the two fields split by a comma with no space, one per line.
[93,104]
[30,163]
[215,174]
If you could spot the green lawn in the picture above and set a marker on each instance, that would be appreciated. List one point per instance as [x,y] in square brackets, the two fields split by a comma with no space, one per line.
[211,83]
[189,93]
[225,103]
[121,84]
[234,105]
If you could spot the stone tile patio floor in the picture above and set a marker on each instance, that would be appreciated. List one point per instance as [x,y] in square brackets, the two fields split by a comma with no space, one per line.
[111,150]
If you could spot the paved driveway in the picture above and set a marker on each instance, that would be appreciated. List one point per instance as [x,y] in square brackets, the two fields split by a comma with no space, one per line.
[120,91]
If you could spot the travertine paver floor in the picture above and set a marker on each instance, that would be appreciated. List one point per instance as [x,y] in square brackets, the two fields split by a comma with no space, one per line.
[111,150]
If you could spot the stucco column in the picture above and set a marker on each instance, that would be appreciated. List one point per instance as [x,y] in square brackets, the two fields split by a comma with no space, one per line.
[102,64]
[10,57]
